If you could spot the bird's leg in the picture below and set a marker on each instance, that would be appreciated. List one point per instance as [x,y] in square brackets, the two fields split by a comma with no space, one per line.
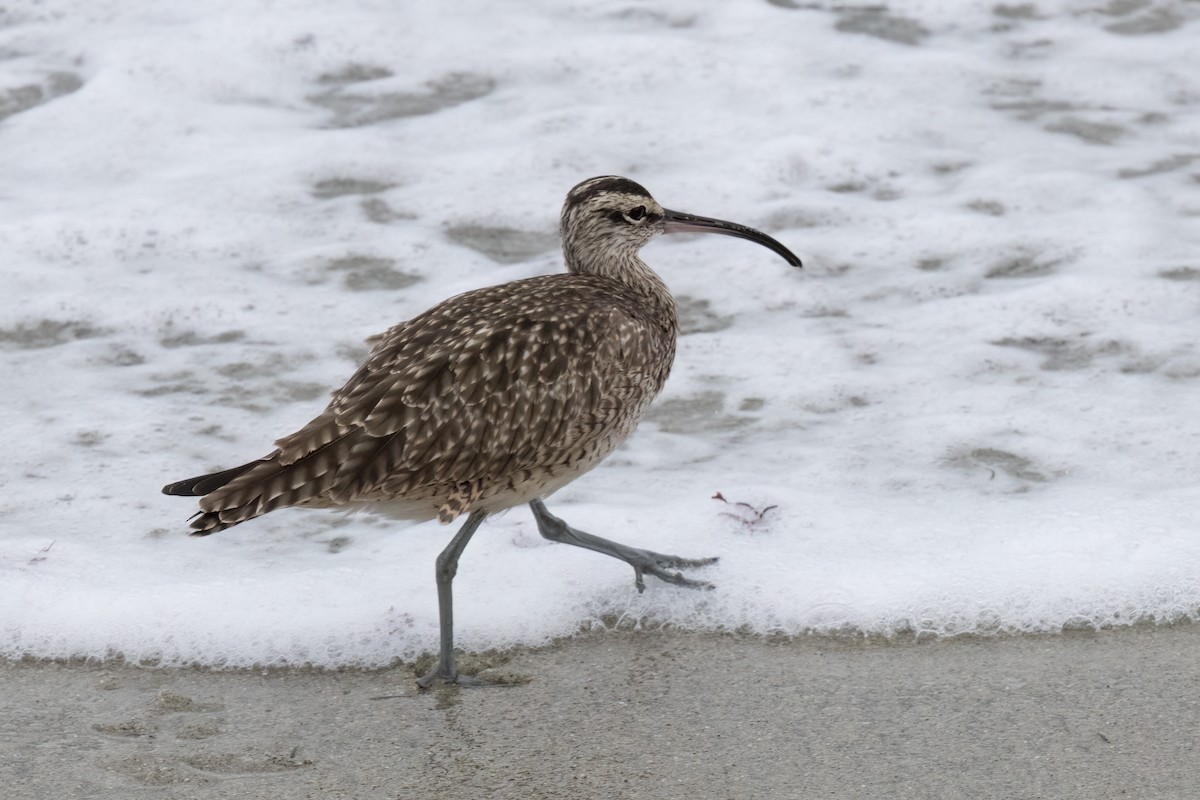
[642,561]
[447,566]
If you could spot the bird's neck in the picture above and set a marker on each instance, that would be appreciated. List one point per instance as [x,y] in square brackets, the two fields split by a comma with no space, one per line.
[634,273]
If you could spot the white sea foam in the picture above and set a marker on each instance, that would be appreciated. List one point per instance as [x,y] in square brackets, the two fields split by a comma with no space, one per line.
[975,410]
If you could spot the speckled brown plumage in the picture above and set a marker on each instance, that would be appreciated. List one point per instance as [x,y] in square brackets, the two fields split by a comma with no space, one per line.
[479,403]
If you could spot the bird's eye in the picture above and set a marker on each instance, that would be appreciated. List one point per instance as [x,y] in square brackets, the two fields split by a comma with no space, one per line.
[636,213]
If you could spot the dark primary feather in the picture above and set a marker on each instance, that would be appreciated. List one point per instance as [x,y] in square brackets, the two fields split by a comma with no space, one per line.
[204,484]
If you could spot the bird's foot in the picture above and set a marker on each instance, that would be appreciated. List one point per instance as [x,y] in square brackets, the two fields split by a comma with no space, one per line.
[448,675]
[659,565]
[427,680]
[644,562]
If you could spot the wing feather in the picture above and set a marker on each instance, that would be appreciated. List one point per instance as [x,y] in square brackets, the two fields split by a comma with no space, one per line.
[486,384]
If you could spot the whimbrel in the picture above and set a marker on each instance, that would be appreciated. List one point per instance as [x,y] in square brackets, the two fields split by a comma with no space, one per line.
[494,398]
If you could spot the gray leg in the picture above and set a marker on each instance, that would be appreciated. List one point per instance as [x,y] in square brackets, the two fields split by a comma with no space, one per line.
[642,561]
[447,566]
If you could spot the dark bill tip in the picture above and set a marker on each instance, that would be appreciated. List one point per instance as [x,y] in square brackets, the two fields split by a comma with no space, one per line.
[678,222]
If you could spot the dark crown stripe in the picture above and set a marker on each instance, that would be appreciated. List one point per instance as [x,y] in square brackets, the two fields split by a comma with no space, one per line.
[589,189]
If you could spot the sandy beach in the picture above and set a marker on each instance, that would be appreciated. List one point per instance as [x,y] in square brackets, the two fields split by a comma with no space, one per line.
[634,715]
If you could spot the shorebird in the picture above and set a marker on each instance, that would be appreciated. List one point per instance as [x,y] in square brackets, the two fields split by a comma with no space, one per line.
[493,398]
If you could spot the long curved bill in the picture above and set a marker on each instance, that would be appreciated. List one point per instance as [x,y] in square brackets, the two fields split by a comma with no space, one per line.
[678,222]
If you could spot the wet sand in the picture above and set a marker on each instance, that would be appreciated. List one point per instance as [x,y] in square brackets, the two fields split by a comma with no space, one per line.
[634,715]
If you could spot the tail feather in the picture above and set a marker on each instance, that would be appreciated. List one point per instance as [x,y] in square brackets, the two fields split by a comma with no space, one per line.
[206,522]
[251,490]
[203,484]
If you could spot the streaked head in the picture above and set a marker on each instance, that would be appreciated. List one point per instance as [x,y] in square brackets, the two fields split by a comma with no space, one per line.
[608,219]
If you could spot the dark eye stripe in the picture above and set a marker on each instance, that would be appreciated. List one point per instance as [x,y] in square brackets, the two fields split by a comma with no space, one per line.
[635,214]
